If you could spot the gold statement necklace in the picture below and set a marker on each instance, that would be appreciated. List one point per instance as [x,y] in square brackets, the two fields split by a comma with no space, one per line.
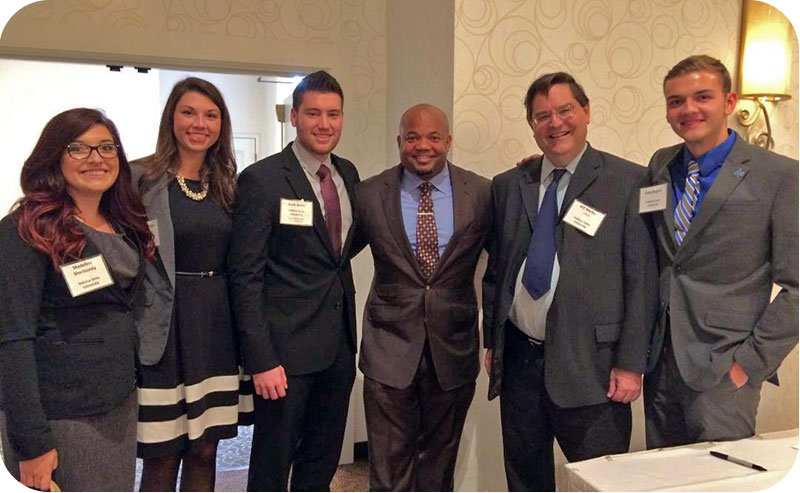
[198,196]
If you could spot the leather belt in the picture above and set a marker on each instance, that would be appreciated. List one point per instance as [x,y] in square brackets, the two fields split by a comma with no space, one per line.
[210,273]
[522,335]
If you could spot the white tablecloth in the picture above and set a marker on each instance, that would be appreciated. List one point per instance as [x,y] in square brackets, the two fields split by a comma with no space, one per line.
[689,468]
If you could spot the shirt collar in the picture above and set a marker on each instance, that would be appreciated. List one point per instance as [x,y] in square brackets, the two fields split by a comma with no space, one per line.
[548,167]
[309,162]
[439,181]
[712,159]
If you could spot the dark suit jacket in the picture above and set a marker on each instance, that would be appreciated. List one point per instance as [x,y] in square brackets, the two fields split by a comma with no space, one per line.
[292,297]
[715,288]
[60,357]
[604,305]
[403,309]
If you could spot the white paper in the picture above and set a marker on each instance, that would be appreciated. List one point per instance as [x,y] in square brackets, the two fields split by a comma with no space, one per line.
[297,212]
[584,218]
[86,275]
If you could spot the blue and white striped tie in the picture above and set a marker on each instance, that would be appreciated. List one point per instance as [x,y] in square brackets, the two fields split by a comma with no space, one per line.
[686,208]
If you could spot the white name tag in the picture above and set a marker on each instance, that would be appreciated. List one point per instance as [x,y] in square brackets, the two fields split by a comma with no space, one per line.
[584,218]
[153,225]
[297,212]
[653,198]
[86,275]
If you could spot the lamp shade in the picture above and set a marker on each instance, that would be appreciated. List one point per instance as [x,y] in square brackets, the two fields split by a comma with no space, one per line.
[765,52]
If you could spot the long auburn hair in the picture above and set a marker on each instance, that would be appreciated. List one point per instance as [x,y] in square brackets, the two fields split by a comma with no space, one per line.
[219,165]
[45,213]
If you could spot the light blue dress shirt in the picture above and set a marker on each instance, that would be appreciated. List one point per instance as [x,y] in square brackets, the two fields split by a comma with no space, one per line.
[442,195]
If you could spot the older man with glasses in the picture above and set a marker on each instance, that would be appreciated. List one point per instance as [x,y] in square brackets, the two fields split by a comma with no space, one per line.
[569,294]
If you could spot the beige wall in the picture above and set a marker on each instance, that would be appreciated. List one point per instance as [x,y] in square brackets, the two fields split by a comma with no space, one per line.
[386,57]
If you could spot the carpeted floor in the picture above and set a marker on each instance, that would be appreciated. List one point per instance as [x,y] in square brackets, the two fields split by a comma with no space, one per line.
[233,457]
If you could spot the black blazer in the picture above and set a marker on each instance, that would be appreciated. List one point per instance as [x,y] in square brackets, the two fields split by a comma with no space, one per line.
[60,357]
[291,295]
[605,303]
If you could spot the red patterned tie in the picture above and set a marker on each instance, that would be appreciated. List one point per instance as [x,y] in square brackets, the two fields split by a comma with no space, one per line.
[333,212]
[427,241]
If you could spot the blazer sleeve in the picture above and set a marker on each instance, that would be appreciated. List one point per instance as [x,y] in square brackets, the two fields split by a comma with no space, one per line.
[252,224]
[489,282]
[775,333]
[22,278]
[640,279]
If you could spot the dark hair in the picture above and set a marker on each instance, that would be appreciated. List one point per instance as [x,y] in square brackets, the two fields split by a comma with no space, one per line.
[45,211]
[696,63]
[542,85]
[319,81]
[219,165]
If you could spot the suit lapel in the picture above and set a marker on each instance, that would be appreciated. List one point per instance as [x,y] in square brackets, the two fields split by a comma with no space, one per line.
[393,211]
[156,202]
[586,172]
[730,175]
[529,189]
[661,175]
[349,185]
[302,188]
[461,197]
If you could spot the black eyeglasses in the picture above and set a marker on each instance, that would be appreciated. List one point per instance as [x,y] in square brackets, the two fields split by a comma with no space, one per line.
[83,151]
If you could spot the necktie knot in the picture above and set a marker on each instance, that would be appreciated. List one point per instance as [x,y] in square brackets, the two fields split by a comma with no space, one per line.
[426,187]
[557,174]
[323,171]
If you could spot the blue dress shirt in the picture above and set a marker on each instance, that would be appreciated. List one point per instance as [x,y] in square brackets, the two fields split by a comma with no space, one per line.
[442,196]
[710,164]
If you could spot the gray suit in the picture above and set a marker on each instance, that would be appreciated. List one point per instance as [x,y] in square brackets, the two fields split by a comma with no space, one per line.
[601,317]
[715,291]
[153,318]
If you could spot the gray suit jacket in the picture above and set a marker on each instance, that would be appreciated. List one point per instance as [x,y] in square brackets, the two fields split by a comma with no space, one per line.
[404,309]
[715,288]
[153,318]
[605,302]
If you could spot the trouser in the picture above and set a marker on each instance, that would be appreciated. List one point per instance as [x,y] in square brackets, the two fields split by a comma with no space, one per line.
[675,414]
[304,430]
[531,420]
[414,432]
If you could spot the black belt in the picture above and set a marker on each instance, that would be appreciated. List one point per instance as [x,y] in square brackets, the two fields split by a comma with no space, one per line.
[210,273]
[539,343]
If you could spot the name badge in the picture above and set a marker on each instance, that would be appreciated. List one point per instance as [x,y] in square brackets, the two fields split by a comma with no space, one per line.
[297,212]
[584,218]
[653,198]
[153,225]
[86,275]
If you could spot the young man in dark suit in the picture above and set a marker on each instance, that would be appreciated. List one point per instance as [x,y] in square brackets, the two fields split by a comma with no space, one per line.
[426,221]
[727,230]
[293,295]
[569,294]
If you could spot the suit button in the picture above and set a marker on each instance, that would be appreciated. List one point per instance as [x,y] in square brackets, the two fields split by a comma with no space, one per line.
[677,268]
[338,305]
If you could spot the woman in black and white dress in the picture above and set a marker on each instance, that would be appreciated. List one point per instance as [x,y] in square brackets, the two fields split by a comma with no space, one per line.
[191,394]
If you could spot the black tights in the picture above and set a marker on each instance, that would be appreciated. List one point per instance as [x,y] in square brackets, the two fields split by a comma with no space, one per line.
[199,471]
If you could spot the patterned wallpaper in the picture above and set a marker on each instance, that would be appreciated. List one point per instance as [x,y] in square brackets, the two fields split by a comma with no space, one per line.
[244,32]
[619,50]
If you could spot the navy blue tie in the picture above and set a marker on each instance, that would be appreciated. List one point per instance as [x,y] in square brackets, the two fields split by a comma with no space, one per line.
[542,248]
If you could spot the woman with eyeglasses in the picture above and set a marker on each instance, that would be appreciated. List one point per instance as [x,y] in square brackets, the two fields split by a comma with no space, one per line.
[189,386]
[74,251]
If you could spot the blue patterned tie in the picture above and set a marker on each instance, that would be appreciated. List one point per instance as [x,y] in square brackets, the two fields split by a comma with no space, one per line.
[542,247]
[685,210]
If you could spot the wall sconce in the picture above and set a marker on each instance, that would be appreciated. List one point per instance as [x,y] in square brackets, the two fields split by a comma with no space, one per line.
[765,62]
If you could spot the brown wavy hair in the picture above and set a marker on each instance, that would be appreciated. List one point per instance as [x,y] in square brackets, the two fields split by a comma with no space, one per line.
[219,165]
[45,213]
